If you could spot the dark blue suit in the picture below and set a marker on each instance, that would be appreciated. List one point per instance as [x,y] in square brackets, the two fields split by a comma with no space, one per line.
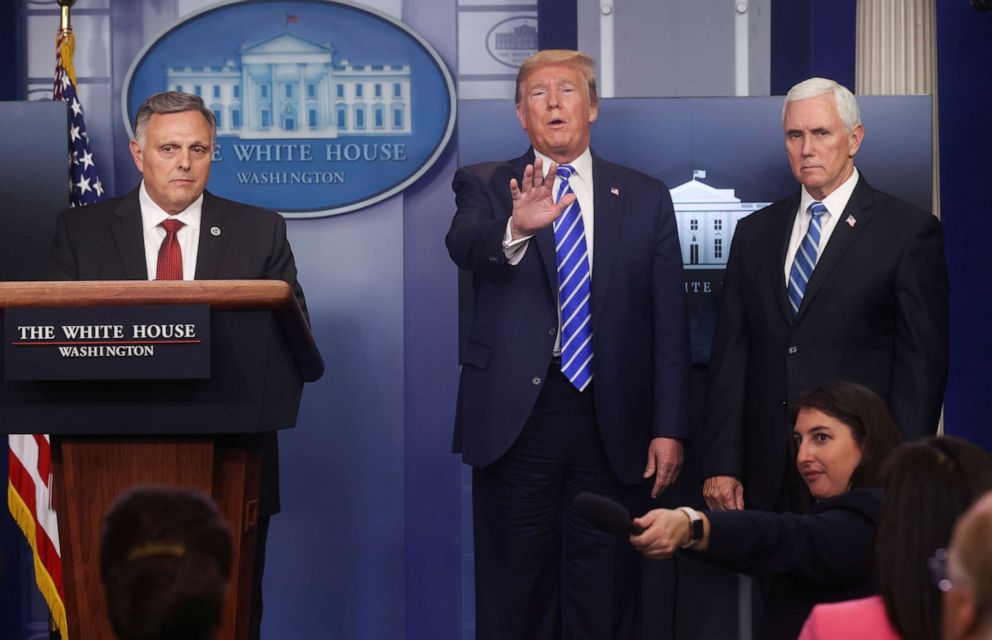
[875,312]
[641,363]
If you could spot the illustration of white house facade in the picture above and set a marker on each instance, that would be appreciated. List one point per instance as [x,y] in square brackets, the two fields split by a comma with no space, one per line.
[290,87]
[707,218]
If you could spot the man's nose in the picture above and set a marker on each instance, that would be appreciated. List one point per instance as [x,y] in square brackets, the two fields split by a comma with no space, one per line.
[184,158]
[807,145]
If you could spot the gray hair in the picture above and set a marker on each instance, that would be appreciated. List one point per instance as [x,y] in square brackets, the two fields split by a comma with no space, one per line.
[847,106]
[171,102]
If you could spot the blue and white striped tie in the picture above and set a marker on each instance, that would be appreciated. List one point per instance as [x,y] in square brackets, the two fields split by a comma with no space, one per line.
[805,260]
[574,277]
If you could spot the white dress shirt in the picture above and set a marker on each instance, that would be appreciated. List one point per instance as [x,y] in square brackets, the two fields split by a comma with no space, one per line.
[835,203]
[188,236]
[581,183]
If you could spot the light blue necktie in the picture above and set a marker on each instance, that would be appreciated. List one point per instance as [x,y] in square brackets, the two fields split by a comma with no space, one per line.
[572,256]
[805,260]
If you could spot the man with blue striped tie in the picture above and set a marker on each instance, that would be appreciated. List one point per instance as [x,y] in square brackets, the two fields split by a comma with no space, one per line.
[839,281]
[575,372]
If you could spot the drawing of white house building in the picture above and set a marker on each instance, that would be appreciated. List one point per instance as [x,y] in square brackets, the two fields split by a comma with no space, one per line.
[289,87]
[707,218]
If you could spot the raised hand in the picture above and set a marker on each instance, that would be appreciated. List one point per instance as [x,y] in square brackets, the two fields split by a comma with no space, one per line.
[534,207]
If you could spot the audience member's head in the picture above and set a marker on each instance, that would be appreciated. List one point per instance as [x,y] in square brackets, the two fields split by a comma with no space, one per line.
[928,485]
[967,587]
[165,560]
[842,432]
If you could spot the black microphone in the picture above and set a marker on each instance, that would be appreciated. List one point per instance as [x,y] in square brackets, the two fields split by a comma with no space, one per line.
[606,514]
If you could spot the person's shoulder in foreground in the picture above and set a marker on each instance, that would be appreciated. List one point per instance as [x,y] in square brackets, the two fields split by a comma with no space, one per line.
[863,619]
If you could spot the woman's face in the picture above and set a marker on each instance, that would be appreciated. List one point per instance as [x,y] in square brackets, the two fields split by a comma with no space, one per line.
[828,453]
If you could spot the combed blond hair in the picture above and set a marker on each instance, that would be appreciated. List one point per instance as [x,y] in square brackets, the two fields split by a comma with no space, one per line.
[568,57]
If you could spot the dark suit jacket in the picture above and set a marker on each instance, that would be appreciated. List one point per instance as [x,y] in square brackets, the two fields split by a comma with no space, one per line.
[875,312]
[640,328]
[104,241]
[826,555]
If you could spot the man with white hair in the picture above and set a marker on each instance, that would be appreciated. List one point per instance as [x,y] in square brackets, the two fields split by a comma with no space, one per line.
[838,281]
[967,583]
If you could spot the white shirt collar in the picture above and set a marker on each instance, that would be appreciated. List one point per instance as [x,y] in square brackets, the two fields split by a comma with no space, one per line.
[837,200]
[582,164]
[152,215]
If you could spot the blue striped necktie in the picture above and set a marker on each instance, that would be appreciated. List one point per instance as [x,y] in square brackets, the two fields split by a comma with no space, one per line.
[806,257]
[572,256]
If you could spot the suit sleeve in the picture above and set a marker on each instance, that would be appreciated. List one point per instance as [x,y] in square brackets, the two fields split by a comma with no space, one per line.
[672,362]
[919,365]
[62,260]
[723,434]
[475,239]
[282,266]
[831,547]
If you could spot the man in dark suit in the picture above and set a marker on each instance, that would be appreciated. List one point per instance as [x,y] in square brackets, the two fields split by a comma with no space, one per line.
[575,375]
[837,282]
[171,228]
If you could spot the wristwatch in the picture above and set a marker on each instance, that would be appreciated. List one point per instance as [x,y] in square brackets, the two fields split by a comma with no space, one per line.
[695,526]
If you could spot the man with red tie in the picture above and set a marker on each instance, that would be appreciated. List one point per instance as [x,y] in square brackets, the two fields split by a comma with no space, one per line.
[171,228]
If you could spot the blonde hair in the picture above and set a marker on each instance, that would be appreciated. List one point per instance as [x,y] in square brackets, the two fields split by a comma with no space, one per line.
[568,57]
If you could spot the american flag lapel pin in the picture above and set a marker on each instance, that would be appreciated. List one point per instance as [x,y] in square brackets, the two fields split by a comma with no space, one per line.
[615,191]
[851,221]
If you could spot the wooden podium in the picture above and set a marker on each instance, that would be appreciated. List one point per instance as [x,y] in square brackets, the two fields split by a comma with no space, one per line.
[108,436]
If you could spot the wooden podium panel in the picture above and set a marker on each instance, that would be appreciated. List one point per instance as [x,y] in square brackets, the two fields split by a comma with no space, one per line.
[109,436]
[95,470]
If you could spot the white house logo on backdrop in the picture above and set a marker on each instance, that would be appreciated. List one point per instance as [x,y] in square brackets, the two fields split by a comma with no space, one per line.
[322,107]
[707,218]
[513,40]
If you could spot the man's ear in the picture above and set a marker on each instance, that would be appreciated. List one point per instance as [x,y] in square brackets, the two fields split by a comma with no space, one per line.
[857,135]
[135,149]
[593,111]
[522,116]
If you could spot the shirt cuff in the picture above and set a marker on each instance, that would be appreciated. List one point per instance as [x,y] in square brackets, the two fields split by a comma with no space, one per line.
[514,250]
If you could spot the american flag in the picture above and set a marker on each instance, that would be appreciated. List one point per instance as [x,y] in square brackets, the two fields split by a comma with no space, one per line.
[84,183]
[29,489]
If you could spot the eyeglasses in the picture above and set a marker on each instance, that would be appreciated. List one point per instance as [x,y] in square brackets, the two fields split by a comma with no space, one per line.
[940,572]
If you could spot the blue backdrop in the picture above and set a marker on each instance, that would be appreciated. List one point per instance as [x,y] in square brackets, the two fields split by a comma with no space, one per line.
[370,541]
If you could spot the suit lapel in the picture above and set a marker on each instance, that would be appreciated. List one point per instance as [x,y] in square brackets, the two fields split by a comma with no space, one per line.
[607,219]
[129,238]
[787,215]
[860,208]
[212,243]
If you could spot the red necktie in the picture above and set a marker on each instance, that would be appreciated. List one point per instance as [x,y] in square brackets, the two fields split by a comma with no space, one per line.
[170,256]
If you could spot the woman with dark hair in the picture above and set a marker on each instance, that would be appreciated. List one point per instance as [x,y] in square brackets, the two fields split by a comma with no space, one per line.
[842,432]
[165,561]
[928,485]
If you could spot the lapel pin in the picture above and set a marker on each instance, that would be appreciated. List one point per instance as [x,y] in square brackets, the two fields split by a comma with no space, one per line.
[615,191]
[215,231]
[851,221]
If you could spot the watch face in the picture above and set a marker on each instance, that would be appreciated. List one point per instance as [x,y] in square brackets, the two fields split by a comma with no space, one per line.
[696,529]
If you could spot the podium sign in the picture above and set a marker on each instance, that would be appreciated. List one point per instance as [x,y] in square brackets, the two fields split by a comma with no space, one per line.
[142,342]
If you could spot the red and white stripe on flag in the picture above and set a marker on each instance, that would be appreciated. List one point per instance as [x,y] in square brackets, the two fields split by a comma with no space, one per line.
[29,494]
